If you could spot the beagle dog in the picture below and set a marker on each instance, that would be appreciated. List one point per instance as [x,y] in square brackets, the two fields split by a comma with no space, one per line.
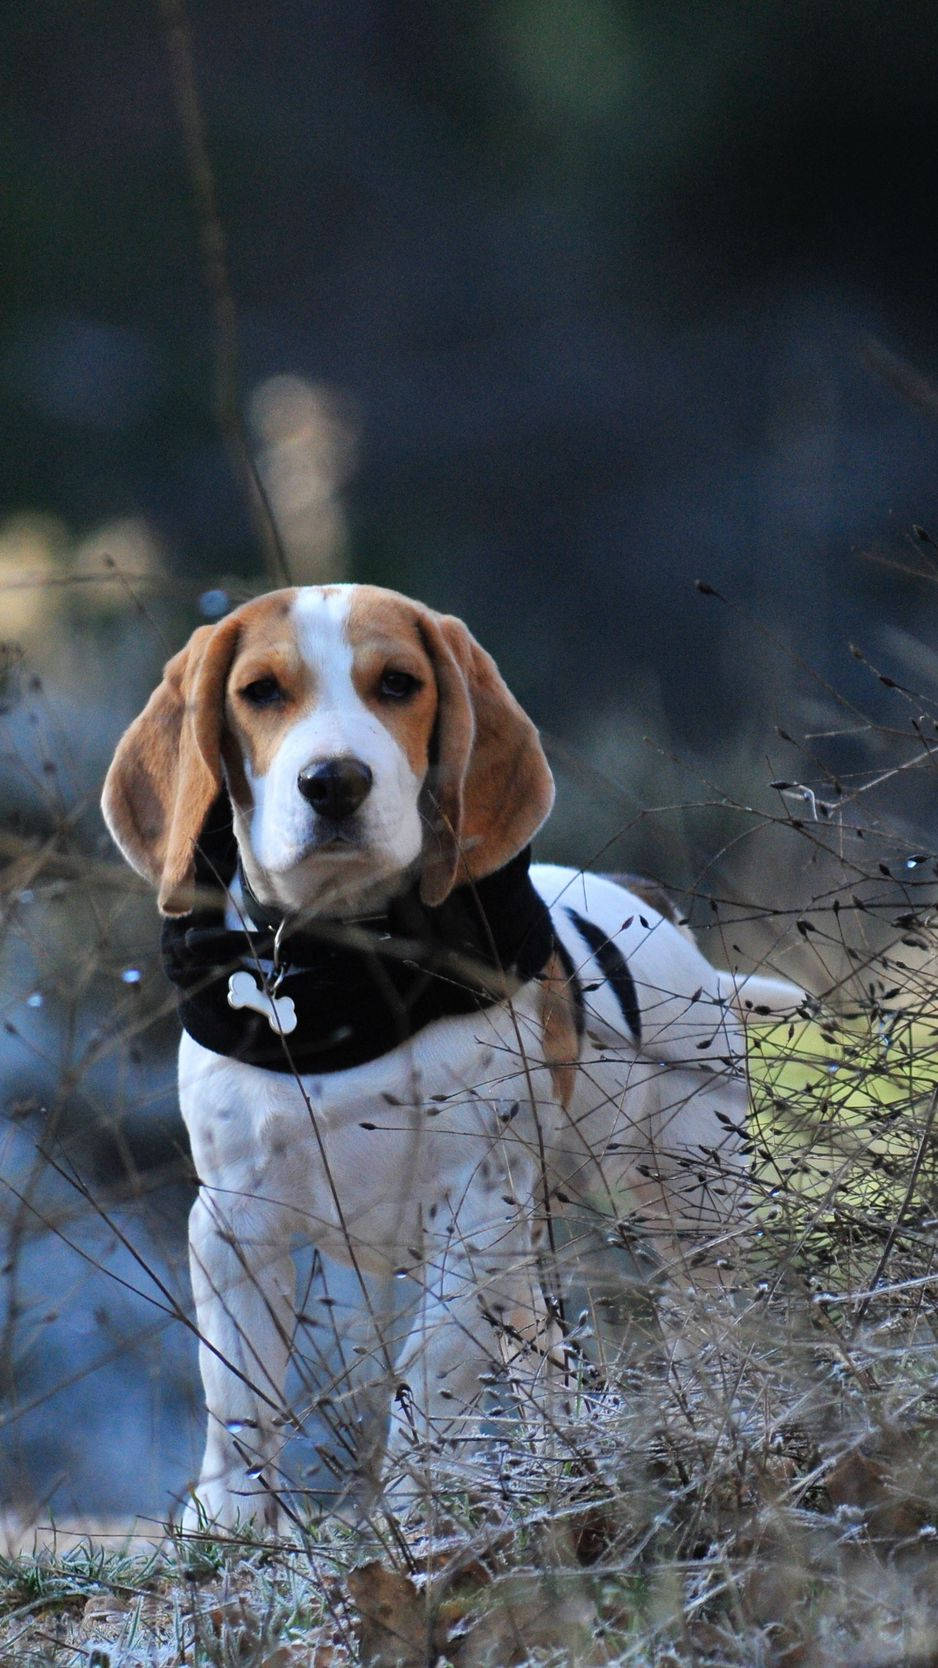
[400,1041]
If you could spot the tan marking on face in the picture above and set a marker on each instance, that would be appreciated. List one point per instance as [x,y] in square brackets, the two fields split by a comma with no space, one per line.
[267,648]
[383,632]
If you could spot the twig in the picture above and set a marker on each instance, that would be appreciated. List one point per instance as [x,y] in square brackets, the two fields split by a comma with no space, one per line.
[215,272]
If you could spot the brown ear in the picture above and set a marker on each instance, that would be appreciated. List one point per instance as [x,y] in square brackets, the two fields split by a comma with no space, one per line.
[167,768]
[490,787]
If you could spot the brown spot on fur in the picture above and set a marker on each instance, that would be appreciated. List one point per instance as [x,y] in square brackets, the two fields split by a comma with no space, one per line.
[267,648]
[149,811]
[489,787]
[383,633]
[650,892]
[493,787]
[558,1021]
[167,768]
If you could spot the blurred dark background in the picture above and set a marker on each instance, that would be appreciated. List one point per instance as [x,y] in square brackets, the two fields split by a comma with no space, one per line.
[590,279]
[546,308]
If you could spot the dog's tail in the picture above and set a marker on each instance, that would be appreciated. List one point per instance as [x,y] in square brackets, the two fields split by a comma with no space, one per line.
[755,997]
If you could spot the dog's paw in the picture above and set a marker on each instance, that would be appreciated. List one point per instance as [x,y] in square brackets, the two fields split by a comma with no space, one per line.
[214,1510]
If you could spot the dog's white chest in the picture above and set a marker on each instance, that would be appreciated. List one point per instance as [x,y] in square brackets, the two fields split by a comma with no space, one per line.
[372,1154]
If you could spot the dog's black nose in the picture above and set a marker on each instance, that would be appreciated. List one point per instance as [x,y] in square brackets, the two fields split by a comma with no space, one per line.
[335,787]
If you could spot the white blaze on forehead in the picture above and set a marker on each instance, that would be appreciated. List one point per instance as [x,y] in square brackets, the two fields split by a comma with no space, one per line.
[320,616]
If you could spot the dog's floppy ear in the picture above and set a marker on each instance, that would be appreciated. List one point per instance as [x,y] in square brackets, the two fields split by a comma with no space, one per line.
[167,768]
[490,785]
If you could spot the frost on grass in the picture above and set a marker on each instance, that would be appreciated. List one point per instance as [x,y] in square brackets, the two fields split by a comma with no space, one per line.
[762,1494]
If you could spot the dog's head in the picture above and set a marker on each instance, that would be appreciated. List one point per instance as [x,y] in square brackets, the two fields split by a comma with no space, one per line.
[362,737]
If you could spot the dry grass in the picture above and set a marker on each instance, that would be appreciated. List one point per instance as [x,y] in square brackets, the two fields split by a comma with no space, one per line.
[771,1500]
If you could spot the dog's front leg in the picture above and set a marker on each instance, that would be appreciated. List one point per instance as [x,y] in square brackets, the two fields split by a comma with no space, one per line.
[243,1282]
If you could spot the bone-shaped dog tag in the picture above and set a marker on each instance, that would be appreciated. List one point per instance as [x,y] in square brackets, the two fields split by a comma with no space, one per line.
[279,1011]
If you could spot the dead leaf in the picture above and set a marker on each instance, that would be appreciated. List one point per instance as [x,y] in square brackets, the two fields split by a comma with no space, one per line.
[103,1608]
[528,1613]
[887,1488]
[394,1628]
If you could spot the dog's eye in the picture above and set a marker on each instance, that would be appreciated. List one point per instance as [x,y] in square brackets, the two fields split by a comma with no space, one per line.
[398,686]
[263,692]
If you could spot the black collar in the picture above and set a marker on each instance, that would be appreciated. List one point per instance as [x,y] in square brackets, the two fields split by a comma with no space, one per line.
[358,989]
